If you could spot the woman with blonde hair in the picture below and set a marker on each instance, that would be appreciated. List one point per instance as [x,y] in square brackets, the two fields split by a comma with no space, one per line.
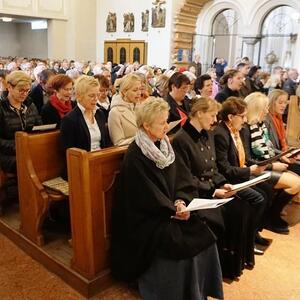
[171,253]
[262,148]
[84,127]
[121,119]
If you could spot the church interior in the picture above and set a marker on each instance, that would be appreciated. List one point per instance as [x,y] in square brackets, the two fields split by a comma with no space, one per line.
[115,116]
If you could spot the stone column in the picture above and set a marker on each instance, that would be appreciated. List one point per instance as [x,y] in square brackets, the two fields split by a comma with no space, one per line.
[250,42]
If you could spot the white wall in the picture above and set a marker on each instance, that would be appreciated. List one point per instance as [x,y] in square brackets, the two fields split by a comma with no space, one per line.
[20,40]
[158,39]
[33,43]
[8,37]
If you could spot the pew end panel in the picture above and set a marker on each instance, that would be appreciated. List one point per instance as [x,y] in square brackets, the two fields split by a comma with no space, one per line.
[39,158]
[293,128]
[91,180]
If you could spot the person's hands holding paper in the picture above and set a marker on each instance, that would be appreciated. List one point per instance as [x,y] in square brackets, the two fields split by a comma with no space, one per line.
[181,213]
[224,192]
[256,170]
[279,166]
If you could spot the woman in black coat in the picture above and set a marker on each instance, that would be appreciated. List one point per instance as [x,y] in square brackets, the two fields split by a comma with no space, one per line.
[171,253]
[199,178]
[84,127]
[15,116]
[235,164]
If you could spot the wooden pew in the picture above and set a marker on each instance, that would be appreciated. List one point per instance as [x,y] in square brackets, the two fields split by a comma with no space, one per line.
[293,128]
[39,158]
[91,180]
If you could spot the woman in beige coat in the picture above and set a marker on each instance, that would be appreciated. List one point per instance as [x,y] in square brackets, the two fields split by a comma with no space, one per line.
[121,120]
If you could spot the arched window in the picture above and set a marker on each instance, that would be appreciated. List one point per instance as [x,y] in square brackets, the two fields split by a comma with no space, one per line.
[110,54]
[136,54]
[122,55]
[279,35]
[225,34]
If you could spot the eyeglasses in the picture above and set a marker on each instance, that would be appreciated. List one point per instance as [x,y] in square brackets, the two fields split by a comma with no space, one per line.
[23,91]
[242,116]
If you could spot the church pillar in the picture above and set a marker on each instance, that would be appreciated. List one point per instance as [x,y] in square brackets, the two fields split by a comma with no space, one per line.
[250,43]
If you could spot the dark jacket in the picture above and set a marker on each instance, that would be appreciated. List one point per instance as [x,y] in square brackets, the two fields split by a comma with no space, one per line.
[75,133]
[10,123]
[290,86]
[104,110]
[143,230]
[37,96]
[225,93]
[174,114]
[227,156]
[50,114]
[198,175]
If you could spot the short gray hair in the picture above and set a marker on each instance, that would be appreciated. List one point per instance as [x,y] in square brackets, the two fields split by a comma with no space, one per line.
[148,111]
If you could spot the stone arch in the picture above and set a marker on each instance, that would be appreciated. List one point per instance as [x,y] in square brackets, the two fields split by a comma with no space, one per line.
[259,13]
[184,27]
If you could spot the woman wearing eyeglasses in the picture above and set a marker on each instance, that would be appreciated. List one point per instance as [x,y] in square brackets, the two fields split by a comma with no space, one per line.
[15,116]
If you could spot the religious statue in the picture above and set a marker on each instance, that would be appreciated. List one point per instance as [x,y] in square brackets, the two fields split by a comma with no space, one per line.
[128,22]
[145,20]
[111,22]
[158,14]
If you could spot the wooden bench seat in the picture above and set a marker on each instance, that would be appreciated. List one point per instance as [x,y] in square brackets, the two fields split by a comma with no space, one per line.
[39,158]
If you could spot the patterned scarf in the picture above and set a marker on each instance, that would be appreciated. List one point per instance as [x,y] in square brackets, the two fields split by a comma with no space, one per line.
[162,157]
[62,107]
[261,144]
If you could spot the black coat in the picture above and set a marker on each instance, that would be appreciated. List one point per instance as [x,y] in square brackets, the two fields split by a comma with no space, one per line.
[174,114]
[290,86]
[50,114]
[37,96]
[142,227]
[226,93]
[10,123]
[196,160]
[227,156]
[75,133]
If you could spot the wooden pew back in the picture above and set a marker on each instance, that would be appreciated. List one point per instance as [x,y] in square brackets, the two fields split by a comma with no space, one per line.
[91,181]
[293,128]
[39,158]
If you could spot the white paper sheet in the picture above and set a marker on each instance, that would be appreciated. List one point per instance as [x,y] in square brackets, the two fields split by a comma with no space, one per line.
[256,180]
[44,127]
[173,124]
[197,203]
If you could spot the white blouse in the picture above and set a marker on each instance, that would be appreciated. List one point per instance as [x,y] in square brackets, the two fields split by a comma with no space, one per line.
[94,130]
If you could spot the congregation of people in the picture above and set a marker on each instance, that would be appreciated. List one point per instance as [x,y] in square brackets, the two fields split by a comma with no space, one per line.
[228,120]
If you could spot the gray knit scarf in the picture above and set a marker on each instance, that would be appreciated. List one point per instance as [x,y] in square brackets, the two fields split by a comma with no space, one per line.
[162,156]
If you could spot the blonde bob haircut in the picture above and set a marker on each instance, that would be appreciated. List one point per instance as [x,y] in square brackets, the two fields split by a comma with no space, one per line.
[127,82]
[19,78]
[257,103]
[84,83]
[149,110]
[273,97]
[203,104]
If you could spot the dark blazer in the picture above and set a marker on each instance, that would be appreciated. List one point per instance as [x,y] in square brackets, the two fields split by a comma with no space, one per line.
[105,111]
[198,175]
[75,133]
[50,114]
[226,93]
[174,114]
[227,155]
[37,96]
[290,87]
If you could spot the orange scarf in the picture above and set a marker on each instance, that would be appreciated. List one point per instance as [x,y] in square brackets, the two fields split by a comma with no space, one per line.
[239,145]
[280,130]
